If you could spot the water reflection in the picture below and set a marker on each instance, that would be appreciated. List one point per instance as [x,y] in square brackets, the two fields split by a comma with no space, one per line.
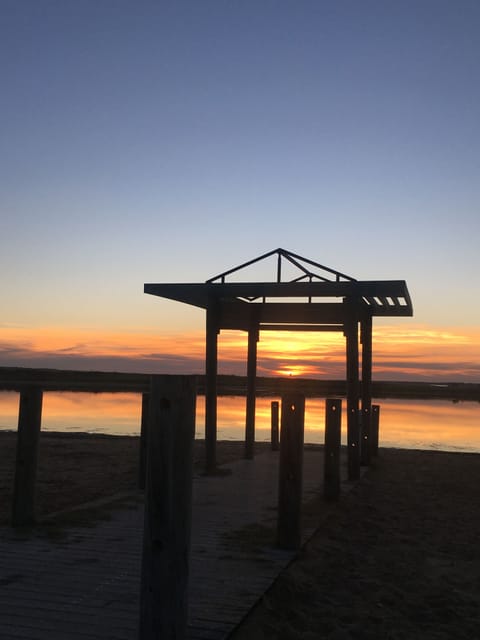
[403,423]
[113,413]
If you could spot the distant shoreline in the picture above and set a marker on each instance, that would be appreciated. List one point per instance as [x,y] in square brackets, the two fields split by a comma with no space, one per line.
[16,378]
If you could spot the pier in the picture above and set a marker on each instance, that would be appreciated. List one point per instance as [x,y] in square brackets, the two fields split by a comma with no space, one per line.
[84,582]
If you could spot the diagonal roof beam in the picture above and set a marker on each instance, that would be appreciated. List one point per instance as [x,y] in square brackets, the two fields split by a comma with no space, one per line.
[294,259]
[338,274]
[221,276]
[306,271]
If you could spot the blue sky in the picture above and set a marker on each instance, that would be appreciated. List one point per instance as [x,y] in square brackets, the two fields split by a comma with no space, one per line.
[168,141]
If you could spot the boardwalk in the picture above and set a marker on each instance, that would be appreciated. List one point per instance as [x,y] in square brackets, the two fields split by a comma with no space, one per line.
[84,585]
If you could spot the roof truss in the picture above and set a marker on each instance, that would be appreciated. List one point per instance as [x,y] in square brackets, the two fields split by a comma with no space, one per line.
[318,298]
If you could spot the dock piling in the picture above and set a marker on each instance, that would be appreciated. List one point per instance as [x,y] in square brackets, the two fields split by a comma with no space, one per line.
[291,471]
[375,429]
[274,425]
[168,507]
[142,463]
[333,420]
[29,425]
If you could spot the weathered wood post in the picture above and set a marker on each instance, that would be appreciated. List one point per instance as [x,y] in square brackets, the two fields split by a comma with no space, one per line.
[274,425]
[353,427]
[253,335]
[142,465]
[290,481]
[29,424]
[211,367]
[375,429]
[168,498]
[333,421]
[366,415]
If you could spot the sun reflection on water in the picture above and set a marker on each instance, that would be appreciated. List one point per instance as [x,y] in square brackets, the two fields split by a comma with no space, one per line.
[403,423]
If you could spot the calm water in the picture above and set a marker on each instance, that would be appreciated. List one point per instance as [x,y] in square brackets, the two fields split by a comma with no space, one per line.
[403,423]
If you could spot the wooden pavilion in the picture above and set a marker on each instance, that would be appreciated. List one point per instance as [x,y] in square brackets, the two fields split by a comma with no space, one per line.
[303,296]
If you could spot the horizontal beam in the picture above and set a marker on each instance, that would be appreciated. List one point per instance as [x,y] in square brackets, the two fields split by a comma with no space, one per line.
[198,294]
[301,327]
[18,378]
[238,315]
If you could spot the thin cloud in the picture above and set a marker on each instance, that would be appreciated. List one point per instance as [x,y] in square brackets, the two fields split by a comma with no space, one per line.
[426,354]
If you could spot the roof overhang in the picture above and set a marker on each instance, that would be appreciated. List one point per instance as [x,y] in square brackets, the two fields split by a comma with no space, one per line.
[291,305]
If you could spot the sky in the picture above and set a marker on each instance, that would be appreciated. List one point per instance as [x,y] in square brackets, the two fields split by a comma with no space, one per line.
[170,141]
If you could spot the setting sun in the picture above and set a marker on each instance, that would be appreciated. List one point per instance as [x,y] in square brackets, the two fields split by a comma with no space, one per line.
[296,370]
[416,353]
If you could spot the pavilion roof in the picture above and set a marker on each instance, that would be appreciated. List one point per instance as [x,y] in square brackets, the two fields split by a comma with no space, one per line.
[308,296]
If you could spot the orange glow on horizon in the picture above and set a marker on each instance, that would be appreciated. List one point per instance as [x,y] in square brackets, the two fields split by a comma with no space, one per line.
[410,351]
[296,343]
[293,370]
[93,342]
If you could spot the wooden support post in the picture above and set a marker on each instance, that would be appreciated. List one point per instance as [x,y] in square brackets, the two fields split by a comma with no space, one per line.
[333,422]
[168,505]
[251,392]
[353,430]
[366,339]
[274,421]
[29,424]
[290,483]
[375,429]
[211,364]
[142,463]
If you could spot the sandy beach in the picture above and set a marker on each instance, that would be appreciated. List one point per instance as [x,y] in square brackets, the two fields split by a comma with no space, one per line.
[397,557]
[77,468]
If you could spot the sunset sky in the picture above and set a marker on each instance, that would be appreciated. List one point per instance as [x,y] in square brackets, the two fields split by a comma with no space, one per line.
[155,141]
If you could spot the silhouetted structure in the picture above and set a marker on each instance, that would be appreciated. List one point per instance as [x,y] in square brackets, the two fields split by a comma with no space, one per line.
[317,298]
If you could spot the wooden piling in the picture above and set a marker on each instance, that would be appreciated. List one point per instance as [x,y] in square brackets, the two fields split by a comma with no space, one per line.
[333,421]
[353,427]
[29,424]
[375,424]
[142,463]
[251,392]
[274,425]
[211,367]
[366,396]
[290,482]
[168,499]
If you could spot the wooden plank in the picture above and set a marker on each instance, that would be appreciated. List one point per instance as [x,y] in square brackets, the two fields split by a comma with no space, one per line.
[92,578]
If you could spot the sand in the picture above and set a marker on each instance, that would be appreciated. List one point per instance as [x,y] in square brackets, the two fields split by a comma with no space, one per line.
[397,558]
[76,468]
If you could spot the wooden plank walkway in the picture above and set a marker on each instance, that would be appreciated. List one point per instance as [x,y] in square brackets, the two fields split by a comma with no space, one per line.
[85,585]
